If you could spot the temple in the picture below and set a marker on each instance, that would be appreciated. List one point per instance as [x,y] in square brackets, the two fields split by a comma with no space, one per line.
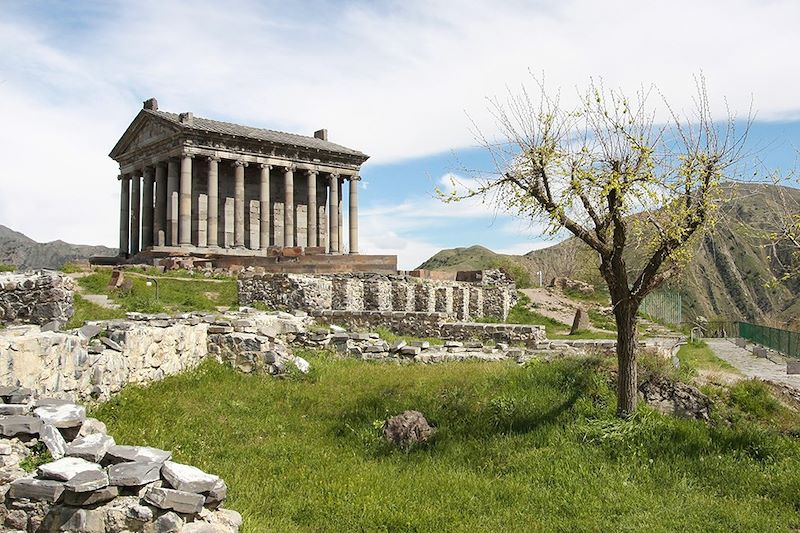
[194,186]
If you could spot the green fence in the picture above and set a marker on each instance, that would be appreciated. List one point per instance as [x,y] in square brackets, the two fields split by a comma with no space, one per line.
[663,306]
[780,340]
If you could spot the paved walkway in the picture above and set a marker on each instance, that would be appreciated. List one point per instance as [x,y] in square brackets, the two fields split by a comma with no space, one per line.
[750,366]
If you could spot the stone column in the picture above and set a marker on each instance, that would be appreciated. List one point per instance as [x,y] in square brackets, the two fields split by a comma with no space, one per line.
[333,227]
[238,204]
[124,214]
[354,213]
[288,208]
[311,227]
[160,219]
[340,233]
[212,223]
[185,206]
[172,202]
[136,196]
[147,208]
[264,207]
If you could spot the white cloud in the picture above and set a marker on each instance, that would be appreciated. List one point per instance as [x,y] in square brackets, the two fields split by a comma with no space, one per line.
[391,79]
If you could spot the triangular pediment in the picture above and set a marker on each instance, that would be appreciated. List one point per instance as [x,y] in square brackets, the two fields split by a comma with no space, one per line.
[145,130]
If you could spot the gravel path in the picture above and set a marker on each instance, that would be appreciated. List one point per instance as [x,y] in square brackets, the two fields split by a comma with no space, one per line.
[750,366]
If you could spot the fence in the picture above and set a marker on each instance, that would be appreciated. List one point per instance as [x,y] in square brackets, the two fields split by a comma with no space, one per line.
[664,307]
[780,340]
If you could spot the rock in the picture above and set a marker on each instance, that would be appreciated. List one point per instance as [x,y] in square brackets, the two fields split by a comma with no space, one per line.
[216,496]
[113,345]
[12,426]
[453,344]
[580,322]
[188,478]
[175,500]
[302,365]
[74,520]
[5,447]
[7,409]
[169,523]
[143,454]
[51,401]
[36,489]
[87,481]
[54,441]
[410,351]
[91,426]
[133,474]
[20,395]
[337,329]
[424,345]
[397,346]
[85,499]
[675,398]
[66,468]
[140,513]
[91,447]
[89,330]
[407,429]
[573,285]
[62,416]
[53,325]
[17,520]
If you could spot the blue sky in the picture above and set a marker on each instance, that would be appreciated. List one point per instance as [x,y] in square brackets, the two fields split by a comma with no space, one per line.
[405,82]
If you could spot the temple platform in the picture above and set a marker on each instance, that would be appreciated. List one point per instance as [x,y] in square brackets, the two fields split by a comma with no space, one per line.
[294,260]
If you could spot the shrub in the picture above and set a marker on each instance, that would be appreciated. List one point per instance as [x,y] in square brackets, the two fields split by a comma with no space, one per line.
[7,268]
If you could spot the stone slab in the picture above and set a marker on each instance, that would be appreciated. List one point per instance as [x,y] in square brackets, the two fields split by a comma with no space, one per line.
[7,409]
[52,438]
[792,366]
[87,481]
[63,416]
[143,454]
[12,426]
[175,500]
[91,447]
[66,468]
[188,478]
[134,474]
[29,488]
[85,499]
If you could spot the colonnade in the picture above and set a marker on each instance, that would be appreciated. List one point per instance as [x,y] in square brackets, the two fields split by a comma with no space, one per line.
[156,207]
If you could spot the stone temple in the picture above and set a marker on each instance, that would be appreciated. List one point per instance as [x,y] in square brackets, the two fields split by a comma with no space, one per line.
[191,186]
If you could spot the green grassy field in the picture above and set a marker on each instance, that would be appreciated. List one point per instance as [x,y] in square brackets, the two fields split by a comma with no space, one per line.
[517,449]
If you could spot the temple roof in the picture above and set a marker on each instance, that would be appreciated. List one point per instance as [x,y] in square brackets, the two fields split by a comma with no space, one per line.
[228,128]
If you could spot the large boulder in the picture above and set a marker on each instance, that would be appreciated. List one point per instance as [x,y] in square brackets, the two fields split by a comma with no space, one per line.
[580,322]
[675,398]
[407,429]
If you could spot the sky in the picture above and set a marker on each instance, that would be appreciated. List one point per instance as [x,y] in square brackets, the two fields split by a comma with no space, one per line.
[406,82]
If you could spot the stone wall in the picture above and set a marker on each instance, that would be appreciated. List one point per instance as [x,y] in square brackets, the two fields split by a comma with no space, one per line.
[100,358]
[36,297]
[435,325]
[492,297]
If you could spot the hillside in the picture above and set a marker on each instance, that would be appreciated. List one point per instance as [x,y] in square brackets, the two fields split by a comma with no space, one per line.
[728,274]
[25,253]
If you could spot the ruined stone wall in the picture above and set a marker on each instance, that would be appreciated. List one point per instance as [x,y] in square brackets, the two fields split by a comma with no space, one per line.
[101,358]
[35,297]
[375,292]
[436,325]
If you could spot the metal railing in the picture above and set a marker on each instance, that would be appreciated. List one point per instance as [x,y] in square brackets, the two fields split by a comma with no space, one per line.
[780,340]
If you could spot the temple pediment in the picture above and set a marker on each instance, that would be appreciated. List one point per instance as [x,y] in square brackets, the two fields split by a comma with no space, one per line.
[145,130]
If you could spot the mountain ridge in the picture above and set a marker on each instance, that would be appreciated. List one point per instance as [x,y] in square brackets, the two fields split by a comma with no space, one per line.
[25,253]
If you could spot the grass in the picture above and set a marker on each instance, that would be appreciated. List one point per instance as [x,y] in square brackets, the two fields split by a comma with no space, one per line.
[86,310]
[598,297]
[7,268]
[527,448]
[697,356]
[174,295]
[601,320]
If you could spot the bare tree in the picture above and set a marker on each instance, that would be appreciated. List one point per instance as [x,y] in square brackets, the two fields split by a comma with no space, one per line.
[605,171]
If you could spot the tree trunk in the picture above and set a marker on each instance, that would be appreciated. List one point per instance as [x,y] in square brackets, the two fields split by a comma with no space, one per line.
[626,360]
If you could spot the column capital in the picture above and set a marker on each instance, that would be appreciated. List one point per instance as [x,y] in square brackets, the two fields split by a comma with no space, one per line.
[238,163]
[312,172]
[333,176]
[354,177]
[186,154]
[265,165]
[214,159]
[289,168]
[123,177]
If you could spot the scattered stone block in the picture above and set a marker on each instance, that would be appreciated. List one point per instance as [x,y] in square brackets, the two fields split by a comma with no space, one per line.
[453,344]
[66,468]
[15,425]
[53,325]
[740,342]
[143,454]
[407,429]
[62,416]
[87,481]
[91,447]
[217,494]
[337,329]
[188,478]
[7,409]
[77,520]
[175,500]
[54,441]
[86,499]
[759,351]
[410,351]
[133,474]
[397,346]
[302,365]
[89,330]
[28,488]
[20,395]
[169,523]
[110,344]
[91,426]
[793,366]
[424,345]
[580,322]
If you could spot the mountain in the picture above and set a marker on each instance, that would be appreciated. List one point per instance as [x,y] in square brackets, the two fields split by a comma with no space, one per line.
[25,253]
[727,277]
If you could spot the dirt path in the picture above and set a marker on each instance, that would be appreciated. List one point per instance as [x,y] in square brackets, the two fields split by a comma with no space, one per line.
[552,304]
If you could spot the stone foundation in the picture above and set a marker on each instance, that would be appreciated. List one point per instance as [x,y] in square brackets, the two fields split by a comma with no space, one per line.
[435,325]
[35,297]
[375,292]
